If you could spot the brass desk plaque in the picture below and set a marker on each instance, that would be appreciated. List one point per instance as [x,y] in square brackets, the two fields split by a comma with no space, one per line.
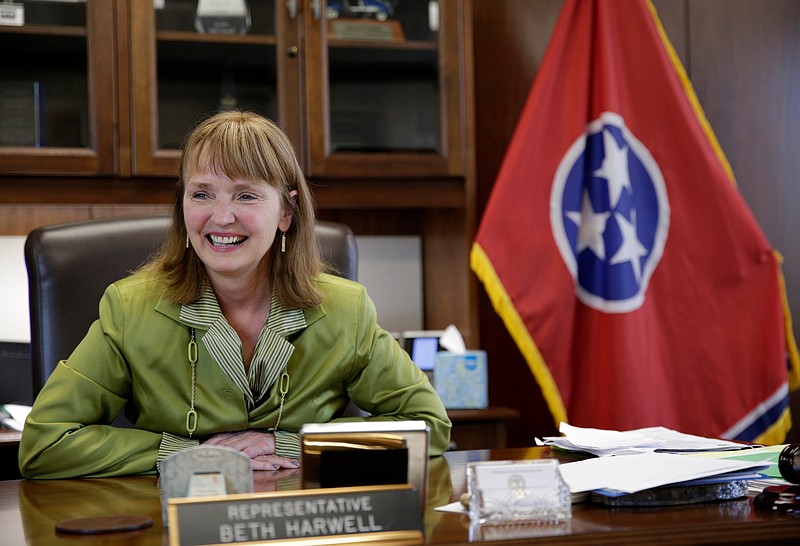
[314,516]
[366,29]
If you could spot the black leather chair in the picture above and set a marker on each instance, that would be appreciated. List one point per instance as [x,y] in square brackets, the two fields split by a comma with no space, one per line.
[70,265]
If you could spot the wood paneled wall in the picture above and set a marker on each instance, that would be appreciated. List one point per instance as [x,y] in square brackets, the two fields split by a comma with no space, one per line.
[21,219]
[743,57]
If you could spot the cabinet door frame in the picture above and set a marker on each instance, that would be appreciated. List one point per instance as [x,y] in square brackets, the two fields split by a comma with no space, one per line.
[100,157]
[146,158]
[450,161]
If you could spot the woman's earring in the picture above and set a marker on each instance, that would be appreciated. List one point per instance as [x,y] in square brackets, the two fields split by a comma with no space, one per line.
[187,240]
[283,241]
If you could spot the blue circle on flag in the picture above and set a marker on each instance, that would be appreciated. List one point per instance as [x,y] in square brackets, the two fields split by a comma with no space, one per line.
[610,215]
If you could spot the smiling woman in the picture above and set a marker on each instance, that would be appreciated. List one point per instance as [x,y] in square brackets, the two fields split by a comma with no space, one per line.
[231,226]
[232,335]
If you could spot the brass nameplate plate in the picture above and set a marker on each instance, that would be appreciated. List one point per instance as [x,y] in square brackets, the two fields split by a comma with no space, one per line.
[355,29]
[322,516]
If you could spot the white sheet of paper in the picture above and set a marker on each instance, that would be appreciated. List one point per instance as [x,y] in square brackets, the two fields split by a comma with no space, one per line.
[597,438]
[613,442]
[632,473]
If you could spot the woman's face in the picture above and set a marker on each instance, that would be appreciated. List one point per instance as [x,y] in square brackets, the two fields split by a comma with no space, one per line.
[232,224]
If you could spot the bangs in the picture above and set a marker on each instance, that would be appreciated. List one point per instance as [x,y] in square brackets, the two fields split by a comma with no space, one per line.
[234,151]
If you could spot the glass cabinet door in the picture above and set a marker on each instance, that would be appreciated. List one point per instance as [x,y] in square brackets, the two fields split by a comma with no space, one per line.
[191,59]
[56,87]
[382,91]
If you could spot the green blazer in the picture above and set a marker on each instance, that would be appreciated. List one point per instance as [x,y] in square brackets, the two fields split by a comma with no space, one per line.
[134,358]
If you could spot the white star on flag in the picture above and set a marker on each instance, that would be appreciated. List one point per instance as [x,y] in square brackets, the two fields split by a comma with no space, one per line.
[591,226]
[631,249]
[614,168]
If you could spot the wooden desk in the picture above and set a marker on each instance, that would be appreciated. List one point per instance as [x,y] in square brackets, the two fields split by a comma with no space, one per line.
[29,511]
[480,428]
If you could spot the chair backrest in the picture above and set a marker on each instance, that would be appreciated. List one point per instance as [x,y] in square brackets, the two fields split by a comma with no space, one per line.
[70,266]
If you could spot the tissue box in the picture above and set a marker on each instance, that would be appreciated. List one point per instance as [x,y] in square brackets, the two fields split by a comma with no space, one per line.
[461,380]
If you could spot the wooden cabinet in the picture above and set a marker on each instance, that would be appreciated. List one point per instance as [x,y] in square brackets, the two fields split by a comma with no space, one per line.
[379,111]
[389,104]
[358,97]
[111,87]
[179,74]
[57,90]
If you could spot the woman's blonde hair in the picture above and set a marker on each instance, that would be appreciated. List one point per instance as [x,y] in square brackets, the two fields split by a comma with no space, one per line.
[247,146]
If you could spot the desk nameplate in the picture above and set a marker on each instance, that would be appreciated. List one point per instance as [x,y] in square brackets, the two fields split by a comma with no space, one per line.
[312,516]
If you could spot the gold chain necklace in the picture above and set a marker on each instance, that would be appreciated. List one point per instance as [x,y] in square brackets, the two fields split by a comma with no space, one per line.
[283,389]
[191,415]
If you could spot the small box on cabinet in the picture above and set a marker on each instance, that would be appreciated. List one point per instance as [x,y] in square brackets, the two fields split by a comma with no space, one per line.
[461,379]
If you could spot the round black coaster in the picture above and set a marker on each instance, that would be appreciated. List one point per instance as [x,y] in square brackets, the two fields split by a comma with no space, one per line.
[779,498]
[104,524]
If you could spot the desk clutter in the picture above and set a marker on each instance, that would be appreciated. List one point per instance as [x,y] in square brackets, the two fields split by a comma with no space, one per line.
[657,466]
[644,468]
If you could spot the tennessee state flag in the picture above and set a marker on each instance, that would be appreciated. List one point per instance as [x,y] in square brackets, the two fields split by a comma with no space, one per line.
[618,251]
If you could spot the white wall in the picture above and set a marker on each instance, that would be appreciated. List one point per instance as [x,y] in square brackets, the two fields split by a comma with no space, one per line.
[391,269]
[14,314]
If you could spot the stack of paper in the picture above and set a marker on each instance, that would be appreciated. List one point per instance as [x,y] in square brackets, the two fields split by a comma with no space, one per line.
[644,440]
[646,458]
[634,473]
